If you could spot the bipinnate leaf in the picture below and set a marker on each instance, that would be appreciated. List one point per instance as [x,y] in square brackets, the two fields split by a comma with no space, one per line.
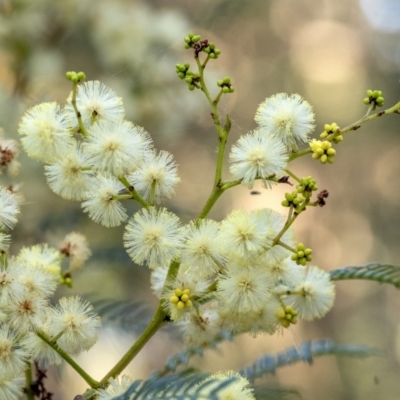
[176,387]
[381,273]
[306,352]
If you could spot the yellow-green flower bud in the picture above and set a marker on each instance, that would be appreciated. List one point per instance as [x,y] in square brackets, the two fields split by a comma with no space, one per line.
[174,299]
[185,298]
[280,313]
[331,152]
[180,305]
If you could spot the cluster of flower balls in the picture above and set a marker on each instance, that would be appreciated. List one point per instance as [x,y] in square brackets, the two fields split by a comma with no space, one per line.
[232,274]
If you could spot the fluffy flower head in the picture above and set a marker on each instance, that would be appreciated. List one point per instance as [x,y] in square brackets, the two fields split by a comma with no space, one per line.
[101,205]
[257,155]
[45,131]
[75,318]
[289,118]
[314,294]
[153,235]
[156,177]
[116,147]
[95,102]
[68,177]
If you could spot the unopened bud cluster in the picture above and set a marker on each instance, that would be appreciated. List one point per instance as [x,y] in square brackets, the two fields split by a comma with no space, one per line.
[286,316]
[374,97]
[225,85]
[293,199]
[302,256]
[191,39]
[190,77]
[332,129]
[75,77]
[322,151]
[306,186]
[181,299]
[212,51]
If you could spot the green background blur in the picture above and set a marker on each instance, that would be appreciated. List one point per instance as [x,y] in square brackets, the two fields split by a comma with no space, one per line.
[328,51]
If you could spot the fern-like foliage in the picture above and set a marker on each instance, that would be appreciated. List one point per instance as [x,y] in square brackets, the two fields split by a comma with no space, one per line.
[126,315]
[183,357]
[176,387]
[381,273]
[306,352]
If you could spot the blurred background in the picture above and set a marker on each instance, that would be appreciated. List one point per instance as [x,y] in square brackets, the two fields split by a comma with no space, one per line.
[329,52]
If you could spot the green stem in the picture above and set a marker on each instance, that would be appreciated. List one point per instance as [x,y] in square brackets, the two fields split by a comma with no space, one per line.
[214,196]
[299,154]
[286,246]
[134,193]
[157,321]
[217,99]
[88,379]
[356,125]
[28,380]
[203,85]
[122,197]
[287,225]
[352,127]
[292,175]
[151,329]
[152,192]
[82,128]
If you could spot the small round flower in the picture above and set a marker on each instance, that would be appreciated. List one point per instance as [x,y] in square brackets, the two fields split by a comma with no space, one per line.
[116,147]
[201,251]
[76,247]
[69,177]
[153,235]
[257,155]
[13,358]
[238,389]
[201,328]
[243,290]
[26,312]
[243,235]
[314,294]
[115,387]
[9,209]
[43,257]
[289,118]
[75,319]
[37,282]
[11,389]
[156,177]
[95,102]
[101,205]
[46,132]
